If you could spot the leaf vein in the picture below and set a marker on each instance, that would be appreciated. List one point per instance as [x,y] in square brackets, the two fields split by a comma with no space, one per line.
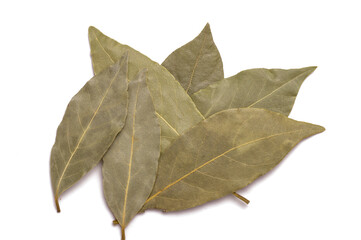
[130,158]
[170,126]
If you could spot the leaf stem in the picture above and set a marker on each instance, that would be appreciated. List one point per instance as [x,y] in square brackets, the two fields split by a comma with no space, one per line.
[57,204]
[123,233]
[245,200]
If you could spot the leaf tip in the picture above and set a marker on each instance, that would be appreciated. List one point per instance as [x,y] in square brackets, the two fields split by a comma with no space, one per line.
[91,29]
[318,129]
[310,69]
[322,129]
[313,68]
[207,28]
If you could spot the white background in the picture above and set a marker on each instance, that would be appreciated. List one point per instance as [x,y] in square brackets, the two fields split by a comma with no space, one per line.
[44,59]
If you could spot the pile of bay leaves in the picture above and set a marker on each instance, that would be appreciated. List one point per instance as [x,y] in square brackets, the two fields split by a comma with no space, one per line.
[176,135]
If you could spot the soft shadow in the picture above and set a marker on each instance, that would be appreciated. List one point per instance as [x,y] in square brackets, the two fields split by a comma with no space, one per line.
[230,198]
[97,173]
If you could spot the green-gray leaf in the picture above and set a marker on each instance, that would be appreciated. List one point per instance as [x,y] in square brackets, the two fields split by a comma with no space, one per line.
[130,165]
[273,89]
[222,154]
[197,64]
[174,108]
[93,118]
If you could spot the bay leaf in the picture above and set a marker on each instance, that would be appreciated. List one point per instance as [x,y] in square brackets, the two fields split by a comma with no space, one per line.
[222,154]
[93,118]
[174,108]
[131,163]
[273,89]
[197,64]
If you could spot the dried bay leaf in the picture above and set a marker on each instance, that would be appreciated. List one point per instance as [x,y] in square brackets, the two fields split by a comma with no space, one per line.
[131,163]
[93,118]
[273,89]
[174,108]
[222,154]
[197,64]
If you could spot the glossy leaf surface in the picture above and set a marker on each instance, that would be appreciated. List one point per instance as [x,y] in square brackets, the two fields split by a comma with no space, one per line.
[273,89]
[197,64]
[130,165]
[174,108]
[93,118]
[222,154]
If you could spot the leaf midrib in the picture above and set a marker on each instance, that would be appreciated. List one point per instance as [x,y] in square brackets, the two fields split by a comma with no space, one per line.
[275,90]
[130,159]
[257,101]
[196,63]
[215,158]
[166,122]
[102,47]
